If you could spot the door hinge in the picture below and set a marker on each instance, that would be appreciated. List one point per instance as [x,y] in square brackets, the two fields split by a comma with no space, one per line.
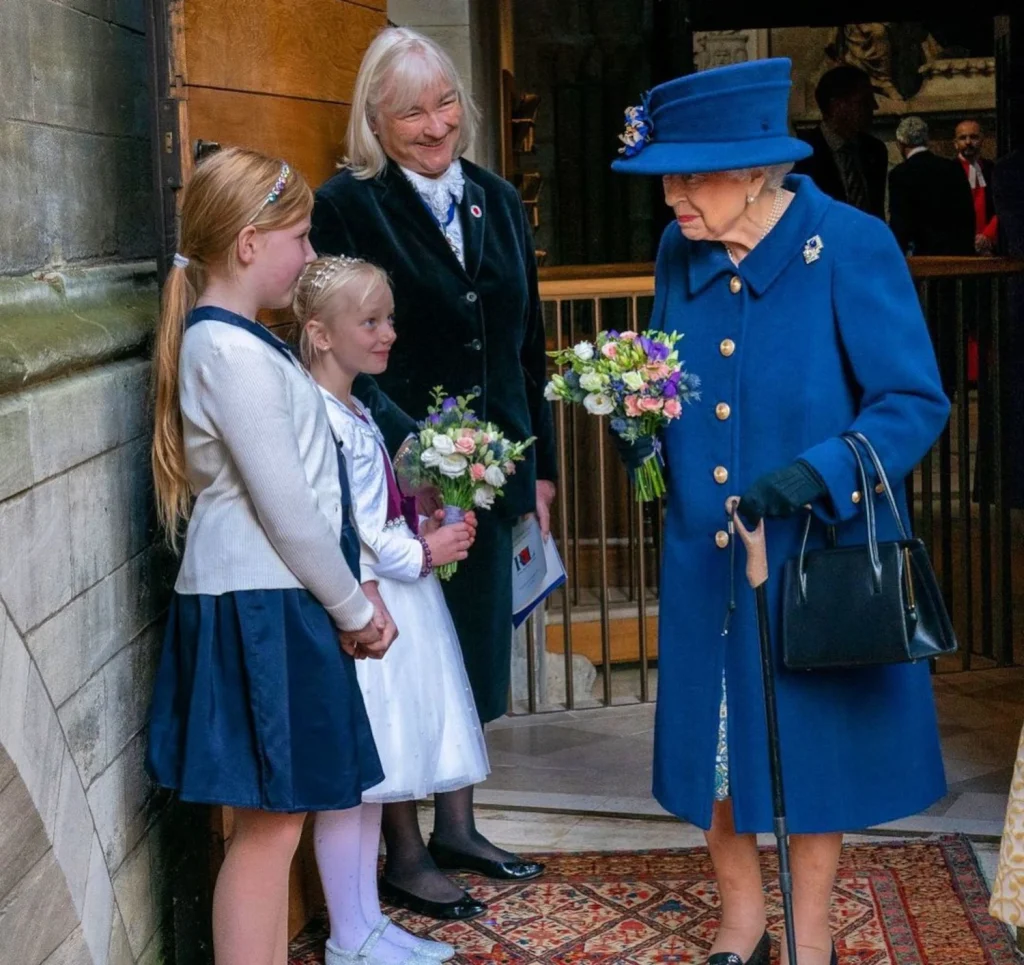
[169,133]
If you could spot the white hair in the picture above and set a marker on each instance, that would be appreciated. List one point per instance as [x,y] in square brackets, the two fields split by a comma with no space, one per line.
[912,132]
[397,67]
[774,174]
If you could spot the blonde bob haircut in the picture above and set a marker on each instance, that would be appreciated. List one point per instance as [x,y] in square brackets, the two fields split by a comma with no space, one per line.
[398,66]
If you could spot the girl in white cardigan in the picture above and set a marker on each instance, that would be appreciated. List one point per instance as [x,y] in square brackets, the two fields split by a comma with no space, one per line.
[418,696]
[256,704]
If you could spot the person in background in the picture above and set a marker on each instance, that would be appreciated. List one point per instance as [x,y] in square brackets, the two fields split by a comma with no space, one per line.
[848,164]
[969,139]
[930,206]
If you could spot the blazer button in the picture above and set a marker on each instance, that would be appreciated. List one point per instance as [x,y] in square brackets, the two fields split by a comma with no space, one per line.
[476,345]
[879,489]
[721,475]
[477,391]
[471,297]
[855,496]
[721,539]
[735,284]
[722,411]
[727,347]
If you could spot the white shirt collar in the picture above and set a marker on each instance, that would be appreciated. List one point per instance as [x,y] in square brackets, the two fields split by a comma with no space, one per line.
[438,193]
[915,150]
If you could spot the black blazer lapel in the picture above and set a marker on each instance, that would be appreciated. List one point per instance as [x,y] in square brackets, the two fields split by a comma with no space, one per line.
[473,213]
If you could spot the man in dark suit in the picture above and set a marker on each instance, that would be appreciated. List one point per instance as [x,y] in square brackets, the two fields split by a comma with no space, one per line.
[848,163]
[930,207]
[977,170]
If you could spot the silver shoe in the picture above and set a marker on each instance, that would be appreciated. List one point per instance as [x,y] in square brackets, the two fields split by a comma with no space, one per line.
[364,956]
[427,947]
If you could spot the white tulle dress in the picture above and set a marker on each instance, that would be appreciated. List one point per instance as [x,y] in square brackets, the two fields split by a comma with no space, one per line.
[418,697]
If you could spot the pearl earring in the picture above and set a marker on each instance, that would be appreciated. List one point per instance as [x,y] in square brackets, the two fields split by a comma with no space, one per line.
[751,199]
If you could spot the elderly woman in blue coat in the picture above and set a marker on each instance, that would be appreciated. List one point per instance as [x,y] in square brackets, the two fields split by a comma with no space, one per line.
[800,317]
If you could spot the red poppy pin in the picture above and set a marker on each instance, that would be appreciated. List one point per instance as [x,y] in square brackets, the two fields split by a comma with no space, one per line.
[476,211]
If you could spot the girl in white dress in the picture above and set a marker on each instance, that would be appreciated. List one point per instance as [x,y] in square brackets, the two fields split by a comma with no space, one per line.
[418,698]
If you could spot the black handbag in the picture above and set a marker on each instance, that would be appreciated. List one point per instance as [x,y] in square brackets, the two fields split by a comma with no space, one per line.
[859,606]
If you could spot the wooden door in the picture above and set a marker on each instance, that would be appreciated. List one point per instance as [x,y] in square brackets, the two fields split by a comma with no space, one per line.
[276,76]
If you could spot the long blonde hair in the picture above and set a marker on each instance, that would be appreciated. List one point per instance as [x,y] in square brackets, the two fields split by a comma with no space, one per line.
[321,282]
[229,190]
[397,67]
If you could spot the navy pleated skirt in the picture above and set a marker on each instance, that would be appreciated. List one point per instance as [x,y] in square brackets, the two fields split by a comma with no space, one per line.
[256,706]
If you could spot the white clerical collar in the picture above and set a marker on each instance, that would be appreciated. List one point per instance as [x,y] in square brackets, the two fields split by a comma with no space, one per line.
[915,150]
[439,193]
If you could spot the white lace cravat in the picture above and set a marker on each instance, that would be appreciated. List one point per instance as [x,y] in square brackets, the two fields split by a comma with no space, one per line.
[438,194]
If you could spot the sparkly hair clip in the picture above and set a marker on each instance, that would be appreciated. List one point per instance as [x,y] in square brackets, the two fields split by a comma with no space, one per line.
[275,192]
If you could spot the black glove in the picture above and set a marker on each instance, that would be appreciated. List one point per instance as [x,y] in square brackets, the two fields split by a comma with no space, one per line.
[782,492]
[633,454]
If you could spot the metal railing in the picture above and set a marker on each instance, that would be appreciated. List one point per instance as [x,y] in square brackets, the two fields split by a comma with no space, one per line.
[595,643]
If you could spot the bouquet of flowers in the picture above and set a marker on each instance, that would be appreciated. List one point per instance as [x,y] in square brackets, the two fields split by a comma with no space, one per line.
[638,380]
[463,458]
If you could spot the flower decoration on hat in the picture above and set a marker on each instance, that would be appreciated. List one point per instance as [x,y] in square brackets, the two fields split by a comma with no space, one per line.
[639,130]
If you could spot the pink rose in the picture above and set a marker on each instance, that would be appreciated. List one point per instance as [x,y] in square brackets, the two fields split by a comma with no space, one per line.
[467,433]
[510,468]
[633,406]
[628,336]
[609,350]
[465,445]
[485,440]
[476,472]
[658,370]
[651,405]
[673,408]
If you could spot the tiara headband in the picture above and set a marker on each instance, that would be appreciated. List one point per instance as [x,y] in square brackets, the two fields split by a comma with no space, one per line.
[275,192]
[329,267]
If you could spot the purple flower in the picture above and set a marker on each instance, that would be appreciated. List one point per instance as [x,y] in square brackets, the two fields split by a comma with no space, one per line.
[612,335]
[657,351]
[434,419]
[645,343]
[669,390]
[448,404]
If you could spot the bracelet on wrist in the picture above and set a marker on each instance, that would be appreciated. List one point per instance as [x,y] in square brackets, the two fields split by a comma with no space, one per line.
[428,560]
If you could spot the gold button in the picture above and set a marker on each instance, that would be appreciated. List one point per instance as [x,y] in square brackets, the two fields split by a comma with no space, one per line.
[721,539]
[727,347]
[722,411]
[735,284]
[721,475]
[856,496]
[879,489]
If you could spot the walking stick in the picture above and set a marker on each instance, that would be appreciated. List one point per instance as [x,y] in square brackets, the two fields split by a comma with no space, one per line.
[757,576]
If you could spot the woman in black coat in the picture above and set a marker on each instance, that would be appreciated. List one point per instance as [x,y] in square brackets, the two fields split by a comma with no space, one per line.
[456,242]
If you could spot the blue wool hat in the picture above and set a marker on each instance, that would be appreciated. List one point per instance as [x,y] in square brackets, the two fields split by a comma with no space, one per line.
[715,120]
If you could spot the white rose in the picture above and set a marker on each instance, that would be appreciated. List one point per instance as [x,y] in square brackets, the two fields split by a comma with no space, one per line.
[592,382]
[430,457]
[598,404]
[483,497]
[453,466]
[632,380]
[584,351]
[493,476]
[551,392]
[444,444]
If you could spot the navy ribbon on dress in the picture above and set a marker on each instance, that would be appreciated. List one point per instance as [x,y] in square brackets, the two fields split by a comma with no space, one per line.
[349,537]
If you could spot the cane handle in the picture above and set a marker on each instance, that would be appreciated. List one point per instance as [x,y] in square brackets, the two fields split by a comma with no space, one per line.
[753,540]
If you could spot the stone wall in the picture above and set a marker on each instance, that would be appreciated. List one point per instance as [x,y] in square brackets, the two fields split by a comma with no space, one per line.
[74,133]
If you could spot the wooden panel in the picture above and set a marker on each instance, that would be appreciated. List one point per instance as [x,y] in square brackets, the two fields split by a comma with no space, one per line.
[299,48]
[586,640]
[308,134]
[305,894]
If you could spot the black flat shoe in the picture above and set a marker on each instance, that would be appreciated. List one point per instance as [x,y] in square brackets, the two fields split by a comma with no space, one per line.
[448,859]
[462,909]
[834,960]
[760,956]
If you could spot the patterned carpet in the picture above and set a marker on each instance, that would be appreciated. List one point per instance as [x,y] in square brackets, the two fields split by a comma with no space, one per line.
[901,903]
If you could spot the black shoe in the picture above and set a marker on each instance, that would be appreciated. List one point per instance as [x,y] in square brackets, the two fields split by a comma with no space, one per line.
[760,956]
[462,909]
[834,960]
[449,859]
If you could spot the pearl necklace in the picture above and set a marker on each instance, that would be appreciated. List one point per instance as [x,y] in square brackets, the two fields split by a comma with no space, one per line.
[773,218]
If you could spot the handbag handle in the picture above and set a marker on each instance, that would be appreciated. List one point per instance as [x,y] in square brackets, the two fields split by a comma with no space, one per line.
[869,511]
[883,479]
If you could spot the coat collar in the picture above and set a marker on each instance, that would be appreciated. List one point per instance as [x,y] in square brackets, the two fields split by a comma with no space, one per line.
[784,243]
[402,199]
